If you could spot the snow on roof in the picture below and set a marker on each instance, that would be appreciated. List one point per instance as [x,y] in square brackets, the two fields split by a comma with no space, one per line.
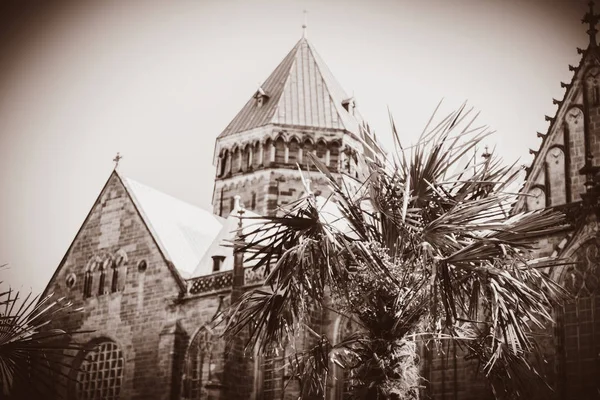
[221,245]
[183,231]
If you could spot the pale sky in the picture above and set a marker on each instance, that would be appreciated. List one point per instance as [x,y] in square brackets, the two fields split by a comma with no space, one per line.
[157,81]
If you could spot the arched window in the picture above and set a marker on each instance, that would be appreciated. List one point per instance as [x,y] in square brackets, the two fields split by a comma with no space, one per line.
[268,152]
[253,201]
[272,384]
[98,372]
[321,151]
[280,151]
[102,269]
[88,278]
[334,156]
[294,146]
[117,266]
[204,365]
[257,155]
[342,379]
[307,147]
[223,160]
[580,323]
[249,157]
[245,155]
[236,160]
[87,284]
[115,277]
[592,85]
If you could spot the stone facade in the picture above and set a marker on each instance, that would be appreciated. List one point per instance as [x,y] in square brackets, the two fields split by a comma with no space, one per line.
[152,333]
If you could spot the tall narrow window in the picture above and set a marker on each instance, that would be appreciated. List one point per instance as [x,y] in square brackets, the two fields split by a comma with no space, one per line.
[343,376]
[321,150]
[256,155]
[273,374]
[307,148]
[102,279]
[294,147]
[223,163]
[115,277]
[253,202]
[87,284]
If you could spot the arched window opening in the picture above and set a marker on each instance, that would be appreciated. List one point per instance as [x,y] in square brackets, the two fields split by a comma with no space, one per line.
[273,374]
[102,280]
[334,161]
[115,277]
[579,319]
[592,85]
[231,204]
[223,163]
[343,376]
[204,365]
[280,151]
[245,155]
[249,157]
[253,201]
[235,161]
[99,372]
[322,151]
[257,155]
[87,284]
[307,147]
[294,147]
[268,152]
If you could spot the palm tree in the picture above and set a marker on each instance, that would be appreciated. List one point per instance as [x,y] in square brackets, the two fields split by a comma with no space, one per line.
[32,356]
[426,251]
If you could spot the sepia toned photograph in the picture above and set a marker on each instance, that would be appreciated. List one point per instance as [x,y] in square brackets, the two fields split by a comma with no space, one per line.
[300,200]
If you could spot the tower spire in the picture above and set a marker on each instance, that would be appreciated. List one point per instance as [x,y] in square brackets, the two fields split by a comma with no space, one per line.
[305,24]
[591,19]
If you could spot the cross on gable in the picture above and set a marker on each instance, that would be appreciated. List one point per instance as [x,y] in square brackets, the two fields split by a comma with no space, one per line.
[241,213]
[117,158]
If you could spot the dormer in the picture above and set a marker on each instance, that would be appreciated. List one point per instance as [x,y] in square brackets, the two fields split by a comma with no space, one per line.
[349,104]
[260,97]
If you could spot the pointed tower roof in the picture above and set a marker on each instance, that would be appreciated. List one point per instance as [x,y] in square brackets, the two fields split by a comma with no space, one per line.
[301,91]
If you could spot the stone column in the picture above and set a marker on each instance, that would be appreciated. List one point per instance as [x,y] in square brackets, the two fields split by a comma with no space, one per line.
[238,368]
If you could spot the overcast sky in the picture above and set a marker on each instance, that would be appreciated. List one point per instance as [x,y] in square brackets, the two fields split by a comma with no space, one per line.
[159,80]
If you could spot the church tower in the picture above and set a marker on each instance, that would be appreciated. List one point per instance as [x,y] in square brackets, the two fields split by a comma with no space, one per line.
[299,109]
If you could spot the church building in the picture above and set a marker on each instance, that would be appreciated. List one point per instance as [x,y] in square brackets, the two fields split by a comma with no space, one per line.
[152,272]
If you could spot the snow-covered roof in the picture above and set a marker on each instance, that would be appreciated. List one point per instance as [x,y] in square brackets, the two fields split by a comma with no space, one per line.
[183,231]
[221,245]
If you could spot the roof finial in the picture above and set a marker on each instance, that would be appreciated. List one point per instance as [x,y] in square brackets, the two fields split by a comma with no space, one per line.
[591,19]
[240,211]
[486,154]
[305,24]
[117,158]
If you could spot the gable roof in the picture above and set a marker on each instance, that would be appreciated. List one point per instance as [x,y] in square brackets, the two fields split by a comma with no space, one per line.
[182,231]
[301,91]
